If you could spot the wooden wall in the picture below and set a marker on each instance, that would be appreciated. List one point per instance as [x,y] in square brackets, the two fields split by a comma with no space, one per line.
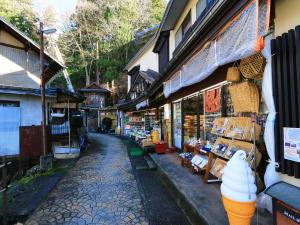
[286,89]
[31,144]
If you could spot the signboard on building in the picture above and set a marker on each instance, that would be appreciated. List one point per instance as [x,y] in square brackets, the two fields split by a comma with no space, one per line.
[292,144]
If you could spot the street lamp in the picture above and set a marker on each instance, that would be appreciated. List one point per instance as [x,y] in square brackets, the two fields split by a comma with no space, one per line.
[43,31]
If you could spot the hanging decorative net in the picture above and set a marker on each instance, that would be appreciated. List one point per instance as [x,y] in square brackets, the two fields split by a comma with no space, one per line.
[239,39]
[176,82]
[201,66]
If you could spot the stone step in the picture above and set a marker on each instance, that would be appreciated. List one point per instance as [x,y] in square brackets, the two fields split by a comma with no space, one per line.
[151,164]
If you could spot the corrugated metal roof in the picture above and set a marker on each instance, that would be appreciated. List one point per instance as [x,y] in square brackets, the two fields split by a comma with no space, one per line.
[24,91]
[54,65]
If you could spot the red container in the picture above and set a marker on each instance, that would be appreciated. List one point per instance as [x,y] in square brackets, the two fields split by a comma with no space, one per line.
[171,149]
[161,147]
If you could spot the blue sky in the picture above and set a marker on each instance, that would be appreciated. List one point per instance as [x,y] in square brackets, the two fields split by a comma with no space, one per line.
[63,7]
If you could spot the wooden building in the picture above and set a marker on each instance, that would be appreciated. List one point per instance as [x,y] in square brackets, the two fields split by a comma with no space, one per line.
[98,108]
[95,96]
[20,101]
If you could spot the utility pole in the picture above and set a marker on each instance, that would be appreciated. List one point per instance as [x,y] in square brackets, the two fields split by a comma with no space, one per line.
[43,98]
[97,67]
[43,83]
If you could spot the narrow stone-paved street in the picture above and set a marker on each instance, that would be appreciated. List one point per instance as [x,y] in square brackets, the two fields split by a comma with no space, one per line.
[100,189]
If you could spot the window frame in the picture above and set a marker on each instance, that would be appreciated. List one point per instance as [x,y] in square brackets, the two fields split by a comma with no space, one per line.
[8,103]
[183,28]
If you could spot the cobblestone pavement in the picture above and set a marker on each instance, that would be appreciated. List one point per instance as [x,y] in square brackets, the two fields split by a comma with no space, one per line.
[100,189]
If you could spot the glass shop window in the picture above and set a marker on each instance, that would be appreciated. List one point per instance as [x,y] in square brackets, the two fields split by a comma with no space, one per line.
[201,118]
[161,121]
[4,103]
[177,123]
[190,112]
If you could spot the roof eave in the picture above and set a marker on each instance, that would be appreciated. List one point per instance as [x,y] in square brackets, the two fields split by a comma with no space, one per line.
[57,66]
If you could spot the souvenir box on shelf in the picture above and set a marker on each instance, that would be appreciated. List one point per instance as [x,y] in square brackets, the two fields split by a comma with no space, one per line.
[190,145]
[249,148]
[199,162]
[240,128]
[226,148]
[220,125]
[221,146]
[147,142]
[217,168]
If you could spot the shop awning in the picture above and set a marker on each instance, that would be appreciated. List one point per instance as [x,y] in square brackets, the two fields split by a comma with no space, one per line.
[240,38]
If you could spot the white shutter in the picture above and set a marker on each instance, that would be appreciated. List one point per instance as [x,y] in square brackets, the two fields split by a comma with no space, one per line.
[9,130]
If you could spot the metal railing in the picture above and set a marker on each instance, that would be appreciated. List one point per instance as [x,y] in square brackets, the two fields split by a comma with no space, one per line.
[60,129]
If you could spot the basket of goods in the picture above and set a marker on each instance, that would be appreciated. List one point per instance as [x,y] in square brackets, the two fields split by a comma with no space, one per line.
[233,74]
[242,128]
[245,97]
[221,145]
[199,162]
[147,142]
[250,150]
[219,125]
[253,66]
[186,158]
[218,167]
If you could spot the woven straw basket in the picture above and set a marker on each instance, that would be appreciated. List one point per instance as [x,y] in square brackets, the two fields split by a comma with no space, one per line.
[245,97]
[253,66]
[233,74]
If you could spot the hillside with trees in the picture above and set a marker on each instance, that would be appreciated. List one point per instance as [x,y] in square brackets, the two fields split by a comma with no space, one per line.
[98,39]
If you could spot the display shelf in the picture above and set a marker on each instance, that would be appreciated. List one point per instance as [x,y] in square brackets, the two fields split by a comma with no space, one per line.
[239,128]
[253,155]
[194,150]
[226,145]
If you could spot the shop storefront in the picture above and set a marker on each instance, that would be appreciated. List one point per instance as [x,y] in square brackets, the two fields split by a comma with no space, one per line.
[193,115]
[177,124]
[219,95]
[220,108]
[139,122]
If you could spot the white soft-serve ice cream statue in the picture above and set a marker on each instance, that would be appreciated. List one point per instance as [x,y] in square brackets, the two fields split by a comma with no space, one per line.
[239,190]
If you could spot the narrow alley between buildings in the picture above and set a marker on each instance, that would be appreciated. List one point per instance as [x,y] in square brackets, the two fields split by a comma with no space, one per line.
[102,189]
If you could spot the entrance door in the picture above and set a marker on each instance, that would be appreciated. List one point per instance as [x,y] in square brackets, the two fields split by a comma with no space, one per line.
[9,129]
[177,124]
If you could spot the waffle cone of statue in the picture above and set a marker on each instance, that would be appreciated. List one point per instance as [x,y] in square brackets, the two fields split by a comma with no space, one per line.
[238,190]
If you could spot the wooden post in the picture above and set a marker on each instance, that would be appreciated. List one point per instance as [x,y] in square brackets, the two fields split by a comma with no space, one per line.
[43,98]
[69,125]
[209,165]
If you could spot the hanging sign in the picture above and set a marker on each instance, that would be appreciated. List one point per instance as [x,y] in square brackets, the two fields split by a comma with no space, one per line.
[213,100]
[292,144]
